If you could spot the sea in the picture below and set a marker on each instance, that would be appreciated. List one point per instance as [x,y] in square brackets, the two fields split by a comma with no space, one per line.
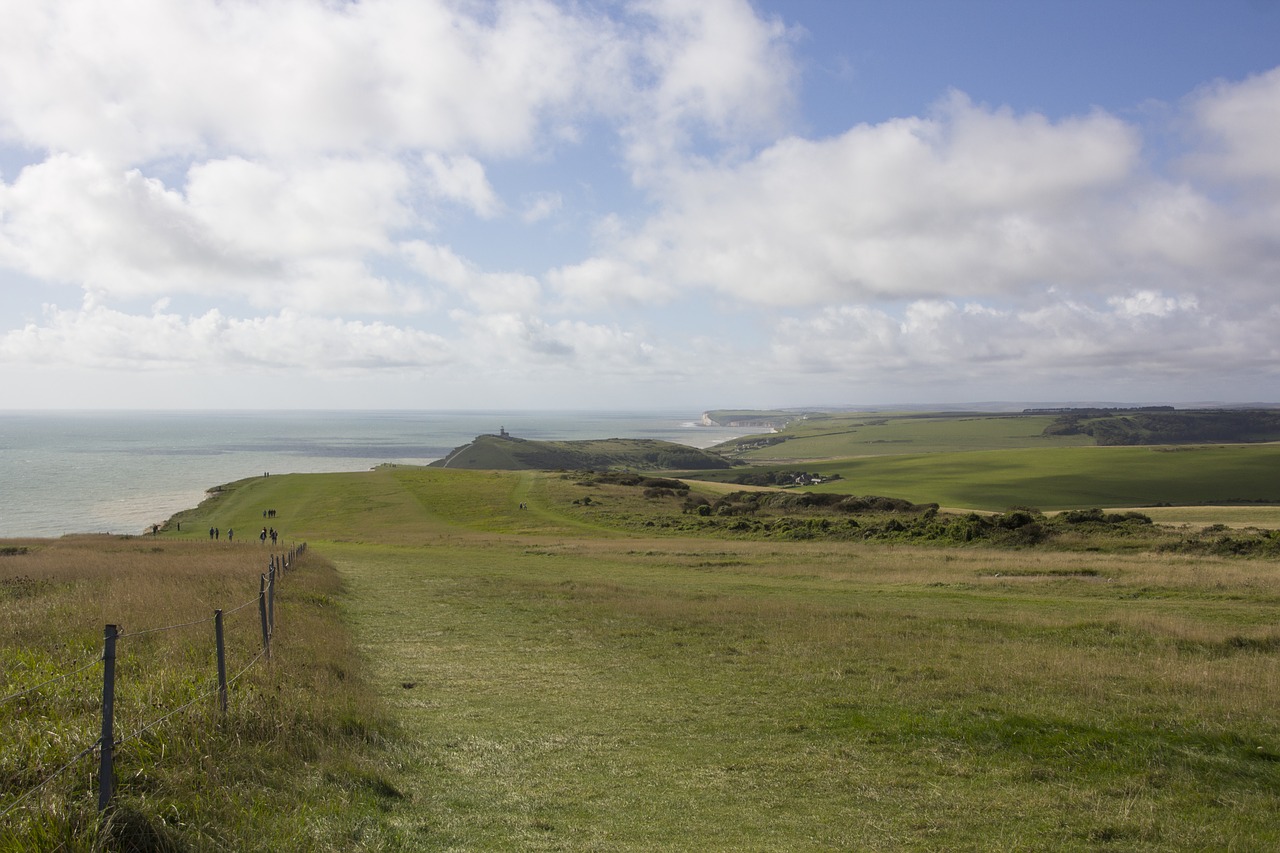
[121,472]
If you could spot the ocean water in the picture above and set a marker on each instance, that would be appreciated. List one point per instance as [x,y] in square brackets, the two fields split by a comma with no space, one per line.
[120,472]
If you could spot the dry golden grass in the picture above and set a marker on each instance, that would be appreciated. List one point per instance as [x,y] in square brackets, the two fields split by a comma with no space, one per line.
[288,764]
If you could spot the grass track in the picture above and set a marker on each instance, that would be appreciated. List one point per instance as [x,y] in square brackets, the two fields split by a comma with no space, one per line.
[651,695]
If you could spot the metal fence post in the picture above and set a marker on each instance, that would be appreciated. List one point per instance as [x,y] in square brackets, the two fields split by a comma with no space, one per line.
[108,741]
[222,662]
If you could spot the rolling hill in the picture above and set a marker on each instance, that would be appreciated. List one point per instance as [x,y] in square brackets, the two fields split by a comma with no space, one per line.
[507,453]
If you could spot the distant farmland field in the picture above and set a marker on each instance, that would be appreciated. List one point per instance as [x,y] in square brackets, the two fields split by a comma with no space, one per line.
[1068,477]
[834,436]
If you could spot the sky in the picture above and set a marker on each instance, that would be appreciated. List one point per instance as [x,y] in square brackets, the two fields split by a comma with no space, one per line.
[602,204]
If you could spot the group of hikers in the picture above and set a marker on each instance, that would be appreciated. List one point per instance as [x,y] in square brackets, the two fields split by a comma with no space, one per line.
[271,533]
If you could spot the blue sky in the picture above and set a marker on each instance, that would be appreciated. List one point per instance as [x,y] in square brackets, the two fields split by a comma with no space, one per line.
[657,204]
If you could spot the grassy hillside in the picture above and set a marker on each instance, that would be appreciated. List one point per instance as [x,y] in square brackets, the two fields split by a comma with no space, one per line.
[548,661]
[506,453]
[565,684]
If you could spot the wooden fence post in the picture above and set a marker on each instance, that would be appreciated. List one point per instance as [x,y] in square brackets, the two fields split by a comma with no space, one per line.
[108,741]
[271,597]
[262,612]
[222,662]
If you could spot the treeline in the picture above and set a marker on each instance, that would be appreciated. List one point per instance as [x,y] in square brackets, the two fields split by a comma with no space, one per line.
[1158,425]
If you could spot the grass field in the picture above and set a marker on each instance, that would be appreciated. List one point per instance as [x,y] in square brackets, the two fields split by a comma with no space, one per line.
[1061,477]
[294,764]
[556,682]
[825,437]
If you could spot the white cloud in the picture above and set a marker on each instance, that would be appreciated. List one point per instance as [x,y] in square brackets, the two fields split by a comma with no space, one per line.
[243,230]
[970,201]
[142,79]
[100,337]
[1151,304]
[1242,123]
[716,69]
[549,351]
[74,219]
[540,206]
[603,280]
[488,292]
[461,179]
[933,342]
[328,207]
[395,184]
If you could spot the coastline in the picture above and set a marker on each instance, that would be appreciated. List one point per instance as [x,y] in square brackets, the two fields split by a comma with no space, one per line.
[121,472]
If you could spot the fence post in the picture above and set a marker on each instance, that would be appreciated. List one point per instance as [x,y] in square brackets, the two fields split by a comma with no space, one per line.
[271,597]
[222,662]
[108,741]
[262,611]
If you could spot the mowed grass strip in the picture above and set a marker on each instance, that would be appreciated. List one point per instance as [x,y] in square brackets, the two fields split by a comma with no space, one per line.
[649,695]
[559,689]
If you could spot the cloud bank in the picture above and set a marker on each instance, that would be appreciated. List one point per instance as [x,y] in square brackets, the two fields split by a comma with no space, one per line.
[584,199]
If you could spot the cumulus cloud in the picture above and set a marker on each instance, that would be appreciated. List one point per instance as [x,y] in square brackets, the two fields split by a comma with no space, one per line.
[461,179]
[72,218]
[1241,121]
[329,206]
[411,185]
[490,292]
[101,337]
[246,230]
[972,200]
[144,79]
[1153,334]
[717,69]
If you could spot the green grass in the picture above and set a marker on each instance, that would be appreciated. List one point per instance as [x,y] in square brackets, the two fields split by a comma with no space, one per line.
[1065,477]
[824,437]
[296,763]
[559,681]
[574,688]
[651,695]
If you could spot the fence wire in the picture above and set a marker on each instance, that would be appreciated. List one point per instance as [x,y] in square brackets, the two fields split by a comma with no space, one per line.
[240,607]
[56,678]
[232,680]
[54,775]
[146,631]
[22,798]
[146,727]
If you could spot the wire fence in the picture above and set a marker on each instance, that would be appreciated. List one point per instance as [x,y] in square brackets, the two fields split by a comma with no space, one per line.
[109,741]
